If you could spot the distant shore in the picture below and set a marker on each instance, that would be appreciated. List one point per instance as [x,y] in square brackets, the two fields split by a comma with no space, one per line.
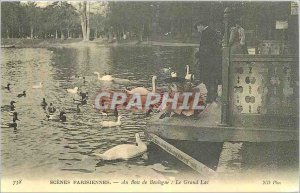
[44,43]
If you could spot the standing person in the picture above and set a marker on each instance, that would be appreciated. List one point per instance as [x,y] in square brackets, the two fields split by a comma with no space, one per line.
[209,59]
[237,40]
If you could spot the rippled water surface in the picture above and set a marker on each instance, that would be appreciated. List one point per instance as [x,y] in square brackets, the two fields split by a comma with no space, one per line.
[40,146]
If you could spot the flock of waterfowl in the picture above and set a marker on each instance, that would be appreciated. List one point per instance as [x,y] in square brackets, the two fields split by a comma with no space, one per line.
[124,151]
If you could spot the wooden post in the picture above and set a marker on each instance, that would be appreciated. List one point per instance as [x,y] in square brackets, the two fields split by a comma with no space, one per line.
[225,70]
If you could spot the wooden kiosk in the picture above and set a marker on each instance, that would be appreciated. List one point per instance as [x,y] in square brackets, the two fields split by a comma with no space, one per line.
[259,103]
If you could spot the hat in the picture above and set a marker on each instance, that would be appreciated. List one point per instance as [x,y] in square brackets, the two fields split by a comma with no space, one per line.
[200,22]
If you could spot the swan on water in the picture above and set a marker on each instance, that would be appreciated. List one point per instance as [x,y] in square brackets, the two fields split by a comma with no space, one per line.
[106,77]
[188,76]
[173,74]
[38,86]
[125,151]
[74,90]
[143,90]
[166,70]
[112,123]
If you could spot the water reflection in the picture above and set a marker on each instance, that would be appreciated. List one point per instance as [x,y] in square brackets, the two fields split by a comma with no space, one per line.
[49,146]
[40,147]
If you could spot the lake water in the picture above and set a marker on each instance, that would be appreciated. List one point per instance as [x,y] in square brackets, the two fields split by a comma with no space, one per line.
[48,148]
[40,146]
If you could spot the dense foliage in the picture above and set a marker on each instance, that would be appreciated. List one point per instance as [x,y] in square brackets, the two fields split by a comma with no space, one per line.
[140,20]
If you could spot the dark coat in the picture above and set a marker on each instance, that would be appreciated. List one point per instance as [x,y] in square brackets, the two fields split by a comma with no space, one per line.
[210,62]
[209,56]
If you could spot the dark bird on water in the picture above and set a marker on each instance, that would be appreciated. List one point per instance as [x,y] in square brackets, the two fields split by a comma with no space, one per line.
[51,108]
[44,104]
[13,124]
[22,95]
[12,106]
[62,116]
[78,109]
[7,87]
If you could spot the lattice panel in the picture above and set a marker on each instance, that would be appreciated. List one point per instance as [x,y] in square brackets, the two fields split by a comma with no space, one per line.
[264,88]
[247,91]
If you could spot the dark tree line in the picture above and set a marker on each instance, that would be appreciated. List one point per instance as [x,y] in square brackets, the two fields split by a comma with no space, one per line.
[57,20]
[139,20]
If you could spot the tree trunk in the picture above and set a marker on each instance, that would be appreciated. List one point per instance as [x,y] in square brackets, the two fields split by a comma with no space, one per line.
[31,32]
[62,35]
[68,34]
[22,31]
[84,19]
[96,34]
[56,35]
[88,23]
[19,32]
[7,33]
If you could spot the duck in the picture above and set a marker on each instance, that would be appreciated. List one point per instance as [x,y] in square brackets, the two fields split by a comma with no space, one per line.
[83,102]
[78,109]
[143,90]
[44,103]
[73,91]
[112,123]
[106,77]
[51,108]
[125,151]
[75,76]
[173,74]
[188,76]
[62,116]
[7,87]
[83,80]
[84,95]
[166,70]
[22,95]
[38,86]
[15,115]
[12,106]
[52,117]
[13,124]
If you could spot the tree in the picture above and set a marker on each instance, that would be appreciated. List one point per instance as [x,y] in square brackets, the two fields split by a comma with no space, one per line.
[85,20]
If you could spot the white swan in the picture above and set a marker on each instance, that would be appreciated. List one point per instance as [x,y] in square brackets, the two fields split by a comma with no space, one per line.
[38,86]
[74,90]
[104,114]
[166,70]
[188,76]
[125,151]
[143,90]
[173,74]
[111,123]
[105,77]
[52,117]
[122,81]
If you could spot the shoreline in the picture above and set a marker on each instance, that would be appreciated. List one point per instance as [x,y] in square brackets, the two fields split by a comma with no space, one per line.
[57,43]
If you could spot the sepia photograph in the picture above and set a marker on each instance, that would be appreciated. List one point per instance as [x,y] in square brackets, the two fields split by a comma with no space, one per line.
[149,96]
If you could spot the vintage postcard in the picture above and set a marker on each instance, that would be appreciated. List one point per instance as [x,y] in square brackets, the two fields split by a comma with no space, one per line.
[149,96]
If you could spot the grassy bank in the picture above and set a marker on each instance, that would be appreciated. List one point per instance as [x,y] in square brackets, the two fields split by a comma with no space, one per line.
[35,43]
[44,43]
